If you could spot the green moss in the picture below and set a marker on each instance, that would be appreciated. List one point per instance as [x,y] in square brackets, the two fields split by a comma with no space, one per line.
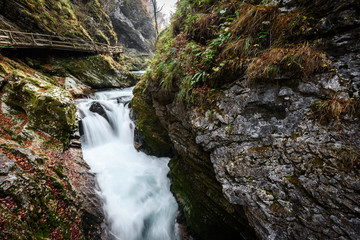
[98,71]
[48,107]
[85,20]
[154,135]
[59,171]
[203,207]
[58,185]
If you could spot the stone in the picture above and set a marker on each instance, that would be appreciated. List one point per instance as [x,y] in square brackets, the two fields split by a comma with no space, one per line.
[96,107]
[48,107]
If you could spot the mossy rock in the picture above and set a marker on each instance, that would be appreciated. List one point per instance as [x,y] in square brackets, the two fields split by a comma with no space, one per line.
[35,204]
[48,107]
[99,71]
[155,137]
[203,207]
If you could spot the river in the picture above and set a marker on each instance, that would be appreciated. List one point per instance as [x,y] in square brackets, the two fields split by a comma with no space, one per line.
[135,188]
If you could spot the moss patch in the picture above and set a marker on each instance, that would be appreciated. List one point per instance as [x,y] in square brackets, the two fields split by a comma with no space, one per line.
[154,135]
[203,206]
[48,107]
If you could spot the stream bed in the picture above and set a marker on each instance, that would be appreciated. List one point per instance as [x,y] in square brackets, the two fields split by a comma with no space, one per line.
[134,186]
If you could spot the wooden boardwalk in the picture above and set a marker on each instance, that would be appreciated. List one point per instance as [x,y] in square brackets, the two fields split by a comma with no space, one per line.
[36,40]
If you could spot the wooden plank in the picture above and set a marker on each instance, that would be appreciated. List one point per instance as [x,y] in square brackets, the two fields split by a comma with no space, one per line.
[63,46]
[56,42]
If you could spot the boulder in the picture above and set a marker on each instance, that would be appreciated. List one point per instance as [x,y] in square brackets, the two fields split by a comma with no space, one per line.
[96,107]
[48,107]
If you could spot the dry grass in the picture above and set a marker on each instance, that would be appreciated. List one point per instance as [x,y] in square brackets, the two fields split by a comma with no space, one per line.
[204,29]
[333,109]
[241,48]
[253,19]
[289,26]
[299,62]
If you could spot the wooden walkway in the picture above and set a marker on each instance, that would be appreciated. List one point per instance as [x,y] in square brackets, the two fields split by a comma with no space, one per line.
[35,40]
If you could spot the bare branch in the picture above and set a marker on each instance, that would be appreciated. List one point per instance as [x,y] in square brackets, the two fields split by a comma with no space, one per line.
[159,10]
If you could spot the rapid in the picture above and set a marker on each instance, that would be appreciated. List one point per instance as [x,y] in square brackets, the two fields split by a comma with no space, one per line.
[134,186]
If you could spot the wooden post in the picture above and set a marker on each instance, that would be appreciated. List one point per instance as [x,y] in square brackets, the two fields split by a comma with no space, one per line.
[11,38]
[33,39]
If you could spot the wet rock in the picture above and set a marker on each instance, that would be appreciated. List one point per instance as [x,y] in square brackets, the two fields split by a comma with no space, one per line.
[84,184]
[96,107]
[150,136]
[75,86]
[74,143]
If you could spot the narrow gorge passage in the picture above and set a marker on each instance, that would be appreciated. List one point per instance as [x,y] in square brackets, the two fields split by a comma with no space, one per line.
[134,186]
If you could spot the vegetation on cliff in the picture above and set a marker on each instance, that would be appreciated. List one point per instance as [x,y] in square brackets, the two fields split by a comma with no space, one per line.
[211,44]
[265,94]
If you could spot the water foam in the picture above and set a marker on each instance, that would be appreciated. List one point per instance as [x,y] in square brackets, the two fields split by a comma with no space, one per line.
[134,186]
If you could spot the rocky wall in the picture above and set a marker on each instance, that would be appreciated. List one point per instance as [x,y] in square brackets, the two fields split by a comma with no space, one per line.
[284,150]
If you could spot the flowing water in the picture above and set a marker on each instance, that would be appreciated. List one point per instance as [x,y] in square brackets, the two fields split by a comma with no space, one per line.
[134,186]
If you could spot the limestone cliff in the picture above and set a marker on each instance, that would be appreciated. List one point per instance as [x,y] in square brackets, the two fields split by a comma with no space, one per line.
[132,24]
[261,103]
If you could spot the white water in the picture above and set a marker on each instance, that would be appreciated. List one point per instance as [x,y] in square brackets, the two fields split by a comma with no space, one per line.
[134,186]
[138,73]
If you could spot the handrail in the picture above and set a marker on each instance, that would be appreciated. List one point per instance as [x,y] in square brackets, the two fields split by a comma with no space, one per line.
[35,40]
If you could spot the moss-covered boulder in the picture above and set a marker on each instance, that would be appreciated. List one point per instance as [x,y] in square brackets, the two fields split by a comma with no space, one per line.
[98,71]
[36,200]
[48,107]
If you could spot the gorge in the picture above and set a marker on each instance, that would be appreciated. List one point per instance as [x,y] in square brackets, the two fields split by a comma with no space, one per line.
[248,112]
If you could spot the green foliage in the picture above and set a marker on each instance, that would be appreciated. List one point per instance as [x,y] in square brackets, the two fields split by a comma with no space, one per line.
[215,42]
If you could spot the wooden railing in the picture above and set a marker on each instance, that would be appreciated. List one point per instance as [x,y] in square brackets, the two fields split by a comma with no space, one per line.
[36,40]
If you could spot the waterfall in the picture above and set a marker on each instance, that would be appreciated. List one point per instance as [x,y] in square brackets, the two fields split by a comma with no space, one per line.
[134,186]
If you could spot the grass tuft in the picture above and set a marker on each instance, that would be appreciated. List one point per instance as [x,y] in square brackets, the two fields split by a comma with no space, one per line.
[299,62]
[326,111]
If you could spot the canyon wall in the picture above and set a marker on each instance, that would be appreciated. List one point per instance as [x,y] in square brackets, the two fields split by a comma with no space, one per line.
[261,104]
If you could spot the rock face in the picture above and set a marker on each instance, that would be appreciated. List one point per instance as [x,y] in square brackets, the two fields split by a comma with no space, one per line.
[85,186]
[132,24]
[76,19]
[150,136]
[97,72]
[38,202]
[44,191]
[284,153]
